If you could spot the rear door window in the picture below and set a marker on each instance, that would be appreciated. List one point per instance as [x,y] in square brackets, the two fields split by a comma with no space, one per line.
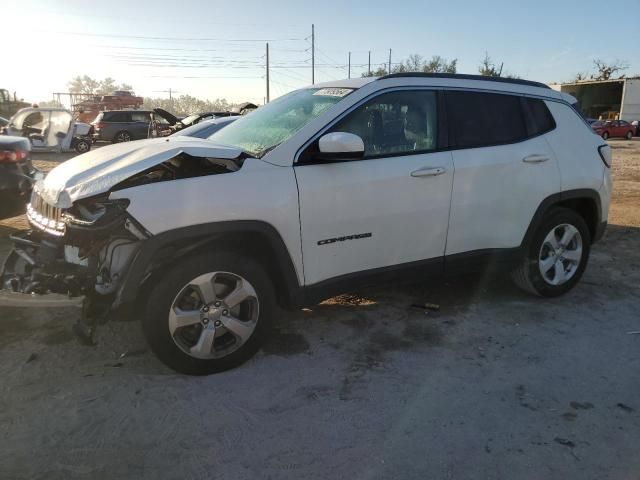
[118,117]
[479,119]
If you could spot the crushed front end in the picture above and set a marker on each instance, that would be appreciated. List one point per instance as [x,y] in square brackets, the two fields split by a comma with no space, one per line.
[79,252]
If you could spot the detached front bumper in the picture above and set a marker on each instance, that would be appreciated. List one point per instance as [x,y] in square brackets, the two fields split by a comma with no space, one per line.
[35,274]
[37,266]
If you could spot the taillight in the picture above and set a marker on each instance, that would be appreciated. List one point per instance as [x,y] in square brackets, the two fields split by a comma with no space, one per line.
[605,154]
[99,125]
[12,156]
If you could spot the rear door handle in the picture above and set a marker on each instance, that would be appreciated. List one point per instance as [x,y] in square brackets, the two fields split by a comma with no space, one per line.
[535,158]
[428,172]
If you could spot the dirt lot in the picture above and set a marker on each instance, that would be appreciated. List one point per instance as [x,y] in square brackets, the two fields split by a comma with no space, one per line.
[496,385]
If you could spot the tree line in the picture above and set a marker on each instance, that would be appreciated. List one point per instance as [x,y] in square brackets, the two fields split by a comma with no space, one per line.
[438,64]
[602,70]
[605,71]
[182,105]
[186,104]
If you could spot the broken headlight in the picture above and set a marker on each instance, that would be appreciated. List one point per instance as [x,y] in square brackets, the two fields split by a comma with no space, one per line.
[95,211]
[45,217]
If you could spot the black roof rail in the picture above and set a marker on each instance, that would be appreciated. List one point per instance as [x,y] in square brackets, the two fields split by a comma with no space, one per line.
[464,76]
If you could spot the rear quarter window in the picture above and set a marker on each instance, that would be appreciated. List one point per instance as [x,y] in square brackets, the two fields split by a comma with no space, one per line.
[140,116]
[537,116]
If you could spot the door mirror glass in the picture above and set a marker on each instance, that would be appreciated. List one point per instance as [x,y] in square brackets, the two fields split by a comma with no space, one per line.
[340,146]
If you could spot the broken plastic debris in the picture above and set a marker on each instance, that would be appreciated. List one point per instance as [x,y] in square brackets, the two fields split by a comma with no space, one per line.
[564,441]
[434,307]
[133,353]
[624,407]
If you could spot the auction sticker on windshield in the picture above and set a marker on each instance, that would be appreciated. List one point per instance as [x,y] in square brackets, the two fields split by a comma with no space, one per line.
[333,92]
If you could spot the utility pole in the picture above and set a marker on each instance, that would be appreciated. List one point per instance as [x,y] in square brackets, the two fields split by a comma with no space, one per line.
[267,76]
[170,91]
[369,69]
[313,54]
[389,60]
[349,64]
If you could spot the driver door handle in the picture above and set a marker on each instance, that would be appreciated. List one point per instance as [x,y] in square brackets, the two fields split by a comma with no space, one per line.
[535,158]
[428,172]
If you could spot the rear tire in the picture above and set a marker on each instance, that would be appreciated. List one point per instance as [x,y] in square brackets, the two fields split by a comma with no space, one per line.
[82,146]
[182,350]
[552,266]
[122,136]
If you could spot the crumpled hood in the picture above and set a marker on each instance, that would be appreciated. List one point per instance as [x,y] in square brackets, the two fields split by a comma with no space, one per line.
[99,170]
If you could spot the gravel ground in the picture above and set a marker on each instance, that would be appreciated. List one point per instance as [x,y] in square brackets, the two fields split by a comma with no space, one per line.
[496,385]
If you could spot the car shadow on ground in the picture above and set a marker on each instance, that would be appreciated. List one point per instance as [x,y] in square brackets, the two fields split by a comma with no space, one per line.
[382,319]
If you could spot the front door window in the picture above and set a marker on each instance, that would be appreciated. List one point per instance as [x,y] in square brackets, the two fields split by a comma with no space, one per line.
[395,123]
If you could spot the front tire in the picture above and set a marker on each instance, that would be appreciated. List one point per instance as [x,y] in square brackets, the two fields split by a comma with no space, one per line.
[557,255]
[209,313]
[629,135]
[605,135]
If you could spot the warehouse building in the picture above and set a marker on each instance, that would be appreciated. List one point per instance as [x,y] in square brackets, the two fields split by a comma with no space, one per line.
[606,99]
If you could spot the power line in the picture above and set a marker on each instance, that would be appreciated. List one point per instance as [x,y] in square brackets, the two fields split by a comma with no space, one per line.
[327,74]
[284,84]
[208,60]
[293,76]
[186,39]
[173,49]
[327,57]
[202,76]
[130,17]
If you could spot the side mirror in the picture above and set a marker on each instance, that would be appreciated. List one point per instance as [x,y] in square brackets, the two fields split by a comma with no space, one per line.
[340,146]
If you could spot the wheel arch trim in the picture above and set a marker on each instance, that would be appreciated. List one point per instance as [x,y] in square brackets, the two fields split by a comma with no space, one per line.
[555,199]
[202,234]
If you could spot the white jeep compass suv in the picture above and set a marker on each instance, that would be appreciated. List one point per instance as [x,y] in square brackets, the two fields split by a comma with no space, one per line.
[320,191]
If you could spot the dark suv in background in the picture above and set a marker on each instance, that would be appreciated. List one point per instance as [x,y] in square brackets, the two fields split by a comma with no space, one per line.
[125,125]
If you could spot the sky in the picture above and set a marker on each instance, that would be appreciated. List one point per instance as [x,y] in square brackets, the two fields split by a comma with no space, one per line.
[216,49]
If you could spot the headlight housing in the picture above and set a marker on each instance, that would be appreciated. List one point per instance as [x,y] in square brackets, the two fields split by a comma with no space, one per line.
[45,217]
[95,211]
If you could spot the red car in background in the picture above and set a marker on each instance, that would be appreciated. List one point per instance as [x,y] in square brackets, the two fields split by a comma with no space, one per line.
[614,128]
